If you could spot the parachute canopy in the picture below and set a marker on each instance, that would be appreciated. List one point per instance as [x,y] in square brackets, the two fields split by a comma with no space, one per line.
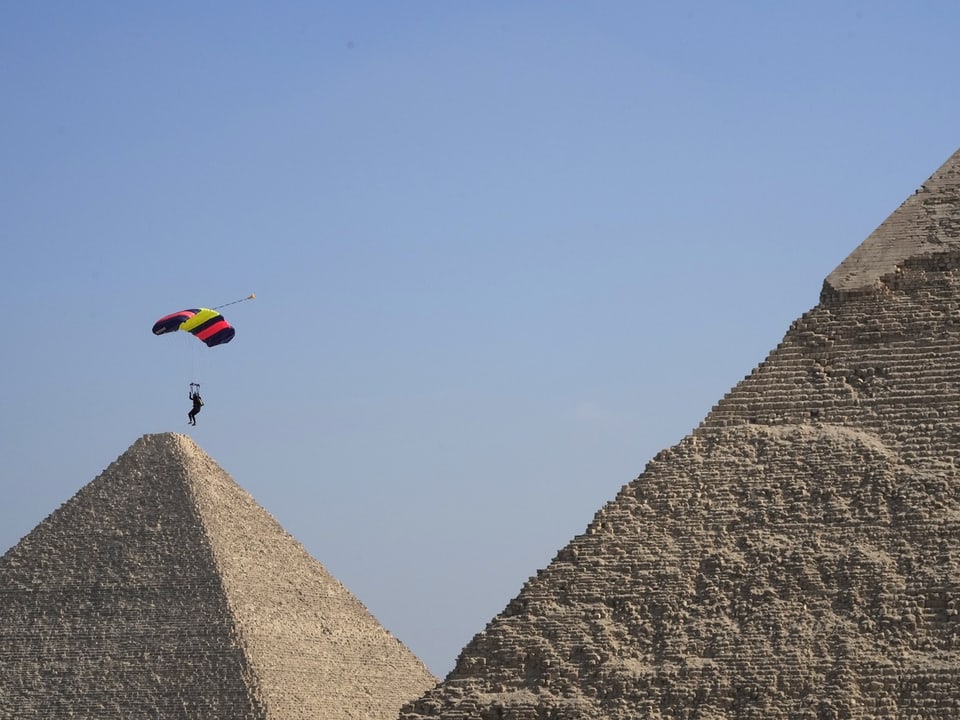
[208,325]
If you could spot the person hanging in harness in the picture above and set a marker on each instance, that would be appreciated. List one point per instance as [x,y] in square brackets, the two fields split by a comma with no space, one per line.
[197,403]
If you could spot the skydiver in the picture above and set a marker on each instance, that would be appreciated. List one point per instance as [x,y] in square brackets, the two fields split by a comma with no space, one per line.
[197,403]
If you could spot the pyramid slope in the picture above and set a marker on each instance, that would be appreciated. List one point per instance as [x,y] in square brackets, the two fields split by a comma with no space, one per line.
[794,557]
[926,223]
[314,648]
[136,598]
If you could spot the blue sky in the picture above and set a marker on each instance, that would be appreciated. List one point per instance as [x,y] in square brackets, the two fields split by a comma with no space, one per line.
[503,252]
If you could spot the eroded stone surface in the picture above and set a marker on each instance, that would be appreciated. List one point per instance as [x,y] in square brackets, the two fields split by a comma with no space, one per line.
[925,224]
[162,590]
[796,556]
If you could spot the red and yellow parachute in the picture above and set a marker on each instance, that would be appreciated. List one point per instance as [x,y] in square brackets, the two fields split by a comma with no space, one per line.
[206,324]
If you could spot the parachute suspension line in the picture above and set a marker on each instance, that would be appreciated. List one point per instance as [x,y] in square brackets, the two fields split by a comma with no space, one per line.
[251,296]
[198,360]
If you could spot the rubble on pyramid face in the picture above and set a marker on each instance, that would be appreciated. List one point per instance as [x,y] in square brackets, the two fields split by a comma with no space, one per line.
[795,556]
[162,589]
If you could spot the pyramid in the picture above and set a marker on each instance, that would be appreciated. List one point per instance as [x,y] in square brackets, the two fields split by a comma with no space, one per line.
[162,590]
[798,554]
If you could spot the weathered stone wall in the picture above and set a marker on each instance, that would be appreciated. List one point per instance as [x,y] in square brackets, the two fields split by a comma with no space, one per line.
[928,222]
[313,647]
[796,556]
[162,590]
[113,608]
[821,583]
[886,361]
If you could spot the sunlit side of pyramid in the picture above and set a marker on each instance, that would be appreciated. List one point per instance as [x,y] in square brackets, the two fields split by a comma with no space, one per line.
[796,556]
[162,590]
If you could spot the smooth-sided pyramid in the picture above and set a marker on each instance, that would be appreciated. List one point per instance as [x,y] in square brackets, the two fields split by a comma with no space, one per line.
[797,555]
[162,590]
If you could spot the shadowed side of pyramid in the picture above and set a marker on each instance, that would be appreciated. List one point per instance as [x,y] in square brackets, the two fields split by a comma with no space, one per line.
[795,556]
[113,605]
[134,599]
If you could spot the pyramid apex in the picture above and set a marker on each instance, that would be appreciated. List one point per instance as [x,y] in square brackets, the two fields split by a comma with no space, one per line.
[163,588]
[926,223]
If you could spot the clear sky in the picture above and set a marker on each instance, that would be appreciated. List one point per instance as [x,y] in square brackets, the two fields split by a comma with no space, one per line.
[503,252]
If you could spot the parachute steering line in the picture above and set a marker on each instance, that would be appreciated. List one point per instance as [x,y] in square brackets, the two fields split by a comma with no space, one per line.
[251,296]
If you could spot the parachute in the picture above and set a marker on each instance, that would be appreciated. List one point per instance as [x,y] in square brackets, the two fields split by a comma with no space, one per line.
[207,325]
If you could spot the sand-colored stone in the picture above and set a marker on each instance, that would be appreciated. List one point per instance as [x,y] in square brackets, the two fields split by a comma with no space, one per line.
[798,555]
[925,224]
[162,590]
